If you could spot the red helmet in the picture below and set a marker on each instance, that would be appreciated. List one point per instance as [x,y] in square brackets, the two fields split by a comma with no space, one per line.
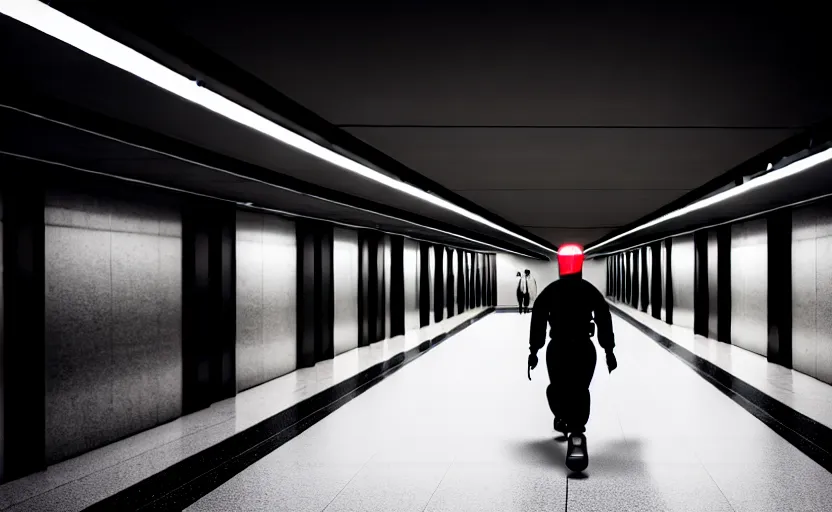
[570,259]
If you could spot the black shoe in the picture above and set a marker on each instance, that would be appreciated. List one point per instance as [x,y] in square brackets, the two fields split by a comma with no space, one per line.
[577,458]
[561,427]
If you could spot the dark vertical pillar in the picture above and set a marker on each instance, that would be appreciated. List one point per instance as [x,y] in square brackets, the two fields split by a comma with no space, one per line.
[469,275]
[645,281]
[780,287]
[450,283]
[656,291]
[636,286]
[723,293]
[316,306]
[478,277]
[24,386]
[208,305]
[668,300]
[364,291]
[461,298]
[609,277]
[378,300]
[438,283]
[224,301]
[306,294]
[424,284]
[494,280]
[396,285]
[619,276]
[324,295]
[701,308]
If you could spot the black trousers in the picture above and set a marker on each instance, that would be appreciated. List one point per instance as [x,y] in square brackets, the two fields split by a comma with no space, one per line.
[523,301]
[571,365]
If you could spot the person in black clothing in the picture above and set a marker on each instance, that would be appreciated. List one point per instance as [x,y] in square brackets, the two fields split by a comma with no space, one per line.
[570,305]
[526,288]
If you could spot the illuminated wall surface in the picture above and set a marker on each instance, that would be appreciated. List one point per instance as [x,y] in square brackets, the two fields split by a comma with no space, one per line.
[682,264]
[113,320]
[345,275]
[266,298]
[749,286]
[812,291]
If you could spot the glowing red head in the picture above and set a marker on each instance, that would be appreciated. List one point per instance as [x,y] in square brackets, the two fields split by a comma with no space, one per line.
[570,259]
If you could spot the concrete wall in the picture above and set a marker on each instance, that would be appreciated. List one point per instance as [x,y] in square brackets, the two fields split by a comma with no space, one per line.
[345,276]
[749,286]
[508,265]
[812,290]
[682,261]
[266,298]
[713,285]
[411,285]
[113,320]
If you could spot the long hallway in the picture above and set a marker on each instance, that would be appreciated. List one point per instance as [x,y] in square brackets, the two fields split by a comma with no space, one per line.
[461,428]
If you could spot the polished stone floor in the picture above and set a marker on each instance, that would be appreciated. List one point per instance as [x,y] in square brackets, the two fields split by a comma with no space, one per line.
[462,428]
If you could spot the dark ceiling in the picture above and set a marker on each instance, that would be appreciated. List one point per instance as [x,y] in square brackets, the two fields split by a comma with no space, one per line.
[569,122]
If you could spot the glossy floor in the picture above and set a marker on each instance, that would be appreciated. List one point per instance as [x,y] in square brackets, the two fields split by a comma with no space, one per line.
[461,428]
[84,480]
[799,391]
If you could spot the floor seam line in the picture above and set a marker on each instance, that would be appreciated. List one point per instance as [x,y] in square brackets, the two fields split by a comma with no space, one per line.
[348,481]
[439,483]
[714,481]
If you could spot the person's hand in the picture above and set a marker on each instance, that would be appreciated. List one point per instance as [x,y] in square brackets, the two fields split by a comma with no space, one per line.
[612,364]
[532,361]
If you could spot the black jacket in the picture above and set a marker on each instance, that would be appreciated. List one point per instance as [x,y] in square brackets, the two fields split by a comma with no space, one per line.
[568,305]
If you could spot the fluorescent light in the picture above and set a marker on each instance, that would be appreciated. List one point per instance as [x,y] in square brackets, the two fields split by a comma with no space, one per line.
[60,26]
[779,174]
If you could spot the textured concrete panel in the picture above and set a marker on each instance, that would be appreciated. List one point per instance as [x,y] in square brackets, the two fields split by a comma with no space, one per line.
[682,262]
[824,305]
[113,321]
[249,308]
[411,285]
[749,286]
[804,306]
[812,290]
[279,297]
[135,310]
[266,298]
[345,276]
[713,286]
[78,339]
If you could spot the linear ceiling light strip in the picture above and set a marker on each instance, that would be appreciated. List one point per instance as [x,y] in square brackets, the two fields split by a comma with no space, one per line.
[272,210]
[785,172]
[60,26]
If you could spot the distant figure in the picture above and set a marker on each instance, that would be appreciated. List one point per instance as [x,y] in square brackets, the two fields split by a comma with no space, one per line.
[569,305]
[526,289]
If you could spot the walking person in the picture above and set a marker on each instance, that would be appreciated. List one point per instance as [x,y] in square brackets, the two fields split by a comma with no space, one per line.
[569,306]
[526,290]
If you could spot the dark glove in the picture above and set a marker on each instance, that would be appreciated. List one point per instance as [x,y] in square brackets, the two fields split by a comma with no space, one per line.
[612,364]
[532,361]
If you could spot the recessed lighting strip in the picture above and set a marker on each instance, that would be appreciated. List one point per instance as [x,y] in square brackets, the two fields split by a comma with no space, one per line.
[779,174]
[60,26]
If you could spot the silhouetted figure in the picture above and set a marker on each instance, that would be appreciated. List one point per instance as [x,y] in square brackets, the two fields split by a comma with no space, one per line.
[526,289]
[569,305]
